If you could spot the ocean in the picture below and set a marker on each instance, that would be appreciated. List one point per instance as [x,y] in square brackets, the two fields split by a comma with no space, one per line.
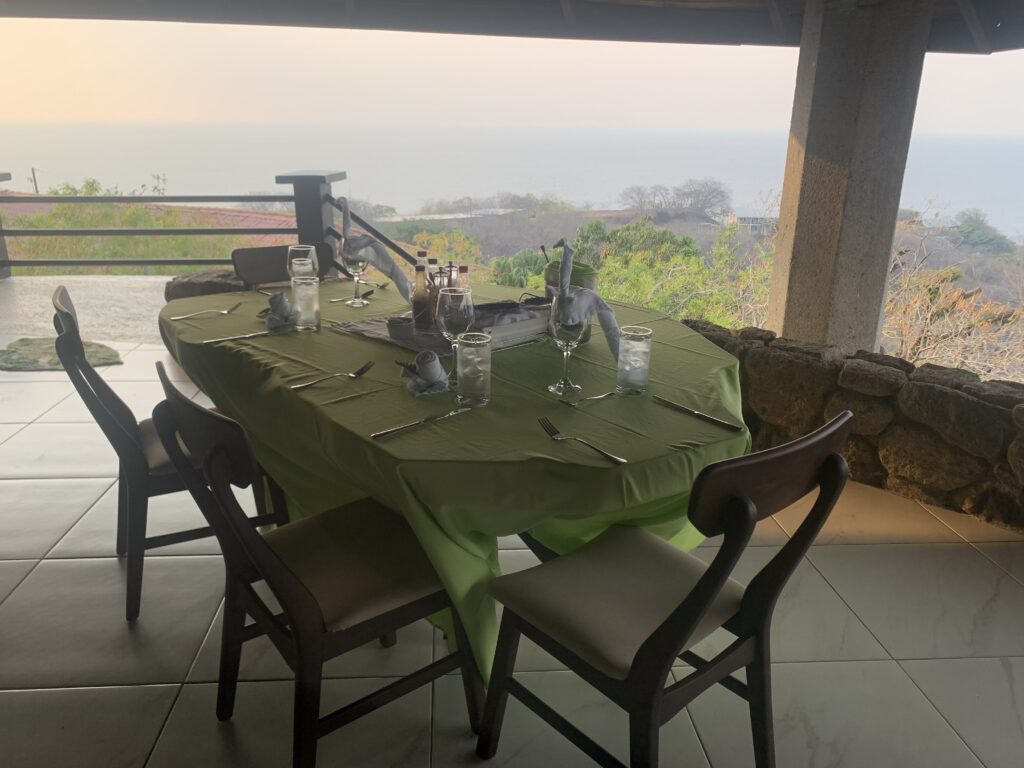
[406,164]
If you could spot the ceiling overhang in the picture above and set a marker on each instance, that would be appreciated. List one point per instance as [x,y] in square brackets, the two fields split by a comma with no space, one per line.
[959,26]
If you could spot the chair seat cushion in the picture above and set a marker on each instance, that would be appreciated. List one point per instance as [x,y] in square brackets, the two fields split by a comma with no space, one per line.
[605,599]
[359,561]
[156,457]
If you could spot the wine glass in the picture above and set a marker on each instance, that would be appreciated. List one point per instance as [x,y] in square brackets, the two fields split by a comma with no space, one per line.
[566,336]
[356,262]
[302,269]
[455,313]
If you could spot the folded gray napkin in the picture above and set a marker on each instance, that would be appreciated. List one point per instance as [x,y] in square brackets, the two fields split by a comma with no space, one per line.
[380,259]
[583,303]
[280,312]
[430,377]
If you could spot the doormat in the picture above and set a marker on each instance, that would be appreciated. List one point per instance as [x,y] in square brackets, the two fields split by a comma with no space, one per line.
[40,355]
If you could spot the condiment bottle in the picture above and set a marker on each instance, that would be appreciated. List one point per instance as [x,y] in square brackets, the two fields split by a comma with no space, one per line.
[422,314]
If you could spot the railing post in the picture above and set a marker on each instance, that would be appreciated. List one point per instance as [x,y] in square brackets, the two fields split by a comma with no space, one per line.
[5,271]
[313,210]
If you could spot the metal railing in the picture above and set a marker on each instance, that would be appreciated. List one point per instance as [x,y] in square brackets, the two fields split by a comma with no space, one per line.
[314,222]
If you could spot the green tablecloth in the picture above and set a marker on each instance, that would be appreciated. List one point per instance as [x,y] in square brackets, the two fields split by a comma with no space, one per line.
[490,472]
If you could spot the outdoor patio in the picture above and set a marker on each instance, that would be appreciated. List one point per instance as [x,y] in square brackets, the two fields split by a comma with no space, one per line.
[900,641]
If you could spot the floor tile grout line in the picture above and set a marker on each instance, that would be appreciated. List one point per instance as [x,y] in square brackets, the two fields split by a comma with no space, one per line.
[80,518]
[430,717]
[964,538]
[184,681]
[172,683]
[850,608]
[20,428]
[40,560]
[163,725]
[112,478]
[21,581]
[941,521]
[700,741]
[995,562]
[71,394]
[940,714]
[202,643]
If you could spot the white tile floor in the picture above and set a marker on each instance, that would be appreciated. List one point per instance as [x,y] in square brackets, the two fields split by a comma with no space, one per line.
[899,642]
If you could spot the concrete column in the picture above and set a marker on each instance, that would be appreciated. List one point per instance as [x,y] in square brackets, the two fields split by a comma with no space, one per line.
[313,213]
[4,271]
[856,92]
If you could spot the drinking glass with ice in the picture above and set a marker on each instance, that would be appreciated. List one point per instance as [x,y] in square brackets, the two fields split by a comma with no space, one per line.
[634,360]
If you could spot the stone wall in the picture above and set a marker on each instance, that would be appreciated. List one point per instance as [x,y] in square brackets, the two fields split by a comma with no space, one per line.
[939,435]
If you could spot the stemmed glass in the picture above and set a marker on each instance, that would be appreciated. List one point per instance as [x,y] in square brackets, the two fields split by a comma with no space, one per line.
[356,263]
[455,313]
[302,269]
[566,336]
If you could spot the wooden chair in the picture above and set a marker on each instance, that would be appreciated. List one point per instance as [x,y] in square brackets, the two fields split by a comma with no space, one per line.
[269,264]
[622,608]
[342,577]
[145,470]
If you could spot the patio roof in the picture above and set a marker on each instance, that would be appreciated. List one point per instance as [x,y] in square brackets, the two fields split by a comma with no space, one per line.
[963,26]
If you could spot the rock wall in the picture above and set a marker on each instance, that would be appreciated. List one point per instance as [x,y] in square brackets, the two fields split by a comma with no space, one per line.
[939,435]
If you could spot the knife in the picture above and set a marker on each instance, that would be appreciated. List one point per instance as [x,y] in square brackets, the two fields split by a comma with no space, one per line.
[411,424]
[235,338]
[685,409]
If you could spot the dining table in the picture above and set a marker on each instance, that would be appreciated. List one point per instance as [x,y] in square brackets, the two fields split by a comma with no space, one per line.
[490,472]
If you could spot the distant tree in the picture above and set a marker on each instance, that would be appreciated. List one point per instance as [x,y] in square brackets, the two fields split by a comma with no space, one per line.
[708,196]
[908,214]
[636,197]
[590,240]
[454,245]
[405,231]
[91,187]
[530,203]
[930,317]
[371,210]
[973,226]
[661,198]
[520,269]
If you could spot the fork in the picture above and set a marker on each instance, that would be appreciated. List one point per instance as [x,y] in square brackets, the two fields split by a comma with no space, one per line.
[354,375]
[227,311]
[365,295]
[576,403]
[553,432]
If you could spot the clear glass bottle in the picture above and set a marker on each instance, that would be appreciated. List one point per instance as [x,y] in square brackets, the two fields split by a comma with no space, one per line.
[463,276]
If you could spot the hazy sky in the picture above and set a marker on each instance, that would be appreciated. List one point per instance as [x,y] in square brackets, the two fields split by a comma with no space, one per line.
[151,72]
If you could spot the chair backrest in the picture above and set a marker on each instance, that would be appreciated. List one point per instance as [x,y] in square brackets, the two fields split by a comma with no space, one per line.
[113,416]
[220,446]
[732,496]
[269,264]
[772,479]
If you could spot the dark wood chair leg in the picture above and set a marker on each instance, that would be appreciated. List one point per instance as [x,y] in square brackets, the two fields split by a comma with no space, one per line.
[230,650]
[644,732]
[306,722]
[759,694]
[497,696]
[543,553]
[138,510]
[472,682]
[122,515]
[388,640]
